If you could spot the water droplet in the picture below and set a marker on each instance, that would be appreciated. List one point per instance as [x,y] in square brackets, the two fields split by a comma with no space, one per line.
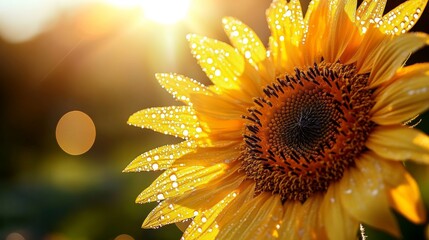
[247,54]
[217,73]
[173,177]
[185,132]
[195,213]
[160,196]
[203,219]
[155,166]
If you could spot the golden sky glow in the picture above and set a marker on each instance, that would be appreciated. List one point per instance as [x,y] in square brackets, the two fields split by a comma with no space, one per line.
[161,11]
[23,20]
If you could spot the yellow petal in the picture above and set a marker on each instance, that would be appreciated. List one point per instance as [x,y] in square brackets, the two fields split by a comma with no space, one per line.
[192,203]
[393,55]
[220,117]
[208,156]
[245,40]
[179,121]
[363,196]
[257,219]
[399,143]
[350,9]
[303,221]
[160,158]
[402,18]
[402,100]
[290,220]
[317,20]
[392,171]
[219,61]
[338,223]
[405,198]
[341,31]
[246,193]
[218,106]
[167,213]
[310,225]
[373,40]
[181,87]
[370,11]
[224,130]
[204,225]
[176,181]
[286,23]
[402,191]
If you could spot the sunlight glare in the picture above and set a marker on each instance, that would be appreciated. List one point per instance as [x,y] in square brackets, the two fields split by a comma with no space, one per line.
[166,11]
[161,11]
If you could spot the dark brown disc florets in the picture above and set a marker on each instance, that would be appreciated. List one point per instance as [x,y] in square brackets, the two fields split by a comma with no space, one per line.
[306,130]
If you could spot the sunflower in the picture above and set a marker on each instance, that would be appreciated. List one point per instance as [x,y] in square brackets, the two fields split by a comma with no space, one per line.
[305,140]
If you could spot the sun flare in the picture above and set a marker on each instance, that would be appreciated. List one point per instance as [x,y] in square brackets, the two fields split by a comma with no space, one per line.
[160,11]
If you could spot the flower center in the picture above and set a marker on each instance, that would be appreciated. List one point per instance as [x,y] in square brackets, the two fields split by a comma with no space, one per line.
[307,130]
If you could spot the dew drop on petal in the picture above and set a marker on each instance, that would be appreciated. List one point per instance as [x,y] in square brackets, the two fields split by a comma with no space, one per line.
[185,132]
[173,177]
[155,166]
[247,54]
[160,196]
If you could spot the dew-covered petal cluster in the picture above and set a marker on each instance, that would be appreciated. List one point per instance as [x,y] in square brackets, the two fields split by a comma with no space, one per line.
[302,137]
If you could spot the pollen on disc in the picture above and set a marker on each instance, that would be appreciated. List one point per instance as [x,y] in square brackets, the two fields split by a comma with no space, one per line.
[75,133]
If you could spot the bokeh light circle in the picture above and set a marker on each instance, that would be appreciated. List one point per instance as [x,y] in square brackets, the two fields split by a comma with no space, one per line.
[124,237]
[75,133]
[15,236]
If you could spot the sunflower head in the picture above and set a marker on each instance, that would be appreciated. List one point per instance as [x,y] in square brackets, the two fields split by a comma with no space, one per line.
[307,129]
[301,140]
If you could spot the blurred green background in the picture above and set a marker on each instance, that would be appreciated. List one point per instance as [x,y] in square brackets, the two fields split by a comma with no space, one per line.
[100,57]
